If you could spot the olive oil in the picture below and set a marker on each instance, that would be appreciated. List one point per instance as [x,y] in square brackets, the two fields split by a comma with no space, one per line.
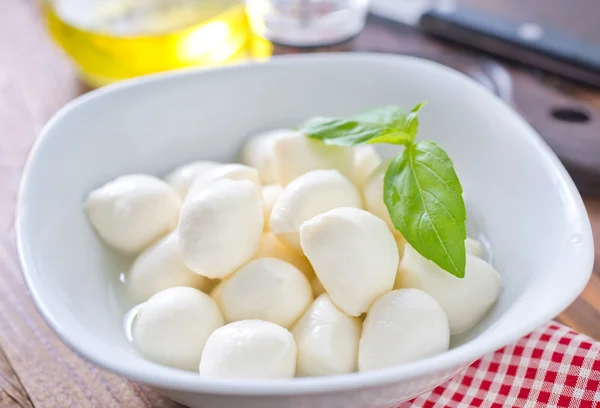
[111,40]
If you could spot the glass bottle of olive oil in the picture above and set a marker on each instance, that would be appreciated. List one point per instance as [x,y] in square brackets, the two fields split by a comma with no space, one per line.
[110,40]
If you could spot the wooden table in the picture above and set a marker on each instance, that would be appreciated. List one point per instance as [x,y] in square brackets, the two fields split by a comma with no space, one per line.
[36,368]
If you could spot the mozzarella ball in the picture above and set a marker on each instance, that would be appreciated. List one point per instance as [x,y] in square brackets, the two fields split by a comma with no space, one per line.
[474,247]
[182,177]
[270,195]
[402,326]
[172,327]
[220,227]
[317,286]
[230,171]
[373,193]
[310,194]
[354,255]
[465,300]
[249,349]
[366,161]
[266,289]
[161,267]
[133,211]
[327,340]
[258,152]
[296,154]
[271,247]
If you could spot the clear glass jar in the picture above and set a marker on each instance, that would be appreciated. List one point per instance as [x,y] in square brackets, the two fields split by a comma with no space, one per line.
[307,23]
[110,40]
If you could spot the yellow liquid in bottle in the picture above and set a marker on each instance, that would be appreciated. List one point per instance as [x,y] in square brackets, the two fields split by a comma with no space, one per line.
[111,40]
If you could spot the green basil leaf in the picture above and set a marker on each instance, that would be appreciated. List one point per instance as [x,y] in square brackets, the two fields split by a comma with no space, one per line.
[342,132]
[412,119]
[388,124]
[392,116]
[424,198]
[398,138]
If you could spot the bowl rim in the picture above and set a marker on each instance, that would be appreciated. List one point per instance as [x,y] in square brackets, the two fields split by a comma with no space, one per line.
[453,359]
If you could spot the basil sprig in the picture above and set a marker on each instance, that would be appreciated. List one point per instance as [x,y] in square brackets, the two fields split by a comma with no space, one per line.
[421,189]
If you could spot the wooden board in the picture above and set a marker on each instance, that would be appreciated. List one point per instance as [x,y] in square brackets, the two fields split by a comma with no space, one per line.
[36,368]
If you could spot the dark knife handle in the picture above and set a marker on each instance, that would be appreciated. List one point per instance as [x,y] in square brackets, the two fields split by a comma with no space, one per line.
[527,43]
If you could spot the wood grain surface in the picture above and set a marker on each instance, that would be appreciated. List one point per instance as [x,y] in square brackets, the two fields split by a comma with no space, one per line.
[36,368]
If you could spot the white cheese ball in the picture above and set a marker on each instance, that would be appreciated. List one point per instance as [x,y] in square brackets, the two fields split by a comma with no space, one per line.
[366,161]
[474,247]
[161,267]
[402,326]
[220,227]
[265,289]
[270,195]
[258,152]
[373,194]
[310,194]
[249,349]
[327,340]
[354,255]
[465,300]
[183,176]
[271,247]
[172,327]
[296,154]
[231,171]
[133,211]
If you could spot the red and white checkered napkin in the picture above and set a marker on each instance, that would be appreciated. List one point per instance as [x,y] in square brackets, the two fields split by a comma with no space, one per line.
[551,367]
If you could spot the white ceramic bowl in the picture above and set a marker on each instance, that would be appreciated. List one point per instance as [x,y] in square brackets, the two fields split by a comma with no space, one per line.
[519,197]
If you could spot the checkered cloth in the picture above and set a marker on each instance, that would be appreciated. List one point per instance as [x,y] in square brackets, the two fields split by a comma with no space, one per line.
[551,367]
